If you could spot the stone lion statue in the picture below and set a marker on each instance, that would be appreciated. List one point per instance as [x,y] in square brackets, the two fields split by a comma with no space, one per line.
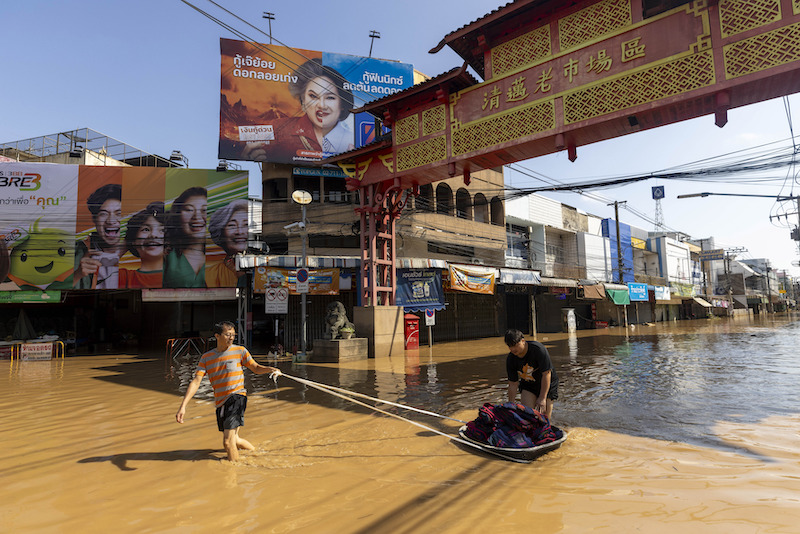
[335,320]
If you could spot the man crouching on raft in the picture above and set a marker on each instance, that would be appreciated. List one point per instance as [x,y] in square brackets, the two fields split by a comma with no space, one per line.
[530,369]
[224,366]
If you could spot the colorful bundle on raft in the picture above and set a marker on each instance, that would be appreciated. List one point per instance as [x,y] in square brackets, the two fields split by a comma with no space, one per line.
[510,425]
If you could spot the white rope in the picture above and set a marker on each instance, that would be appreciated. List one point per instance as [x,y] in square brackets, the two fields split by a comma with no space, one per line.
[403,406]
[330,390]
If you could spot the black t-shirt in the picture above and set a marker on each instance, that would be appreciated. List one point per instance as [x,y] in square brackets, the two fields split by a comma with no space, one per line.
[528,369]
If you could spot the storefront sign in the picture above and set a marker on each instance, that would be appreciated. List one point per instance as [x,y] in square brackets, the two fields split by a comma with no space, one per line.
[638,292]
[320,281]
[29,297]
[419,289]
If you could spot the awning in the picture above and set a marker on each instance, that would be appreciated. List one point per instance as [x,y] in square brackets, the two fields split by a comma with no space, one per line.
[558,282]
[594,291]
[519,276]
[421,263]
[702,302]
[618,296]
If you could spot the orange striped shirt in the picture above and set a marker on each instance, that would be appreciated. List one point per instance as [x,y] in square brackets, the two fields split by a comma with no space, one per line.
[225,371]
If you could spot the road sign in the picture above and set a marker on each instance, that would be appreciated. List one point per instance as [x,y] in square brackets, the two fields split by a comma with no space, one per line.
[430,317]
[302,280]
[276,300]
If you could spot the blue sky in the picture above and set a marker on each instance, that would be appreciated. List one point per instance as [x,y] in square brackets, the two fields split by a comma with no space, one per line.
[147,73]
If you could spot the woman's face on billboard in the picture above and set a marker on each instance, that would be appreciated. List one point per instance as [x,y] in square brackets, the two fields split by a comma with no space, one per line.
[150,239]
[235,233]
[193,217]
[321,103]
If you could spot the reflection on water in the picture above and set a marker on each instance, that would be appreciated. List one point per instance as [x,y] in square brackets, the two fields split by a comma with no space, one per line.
[675,383]
[671,426]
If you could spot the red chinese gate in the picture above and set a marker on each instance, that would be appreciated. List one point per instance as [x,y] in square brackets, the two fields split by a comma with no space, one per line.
[558,76]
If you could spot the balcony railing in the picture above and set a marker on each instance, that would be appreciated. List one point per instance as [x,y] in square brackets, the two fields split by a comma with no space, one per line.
[560,270]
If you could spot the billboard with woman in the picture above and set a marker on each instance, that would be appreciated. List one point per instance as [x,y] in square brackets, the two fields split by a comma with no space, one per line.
[287,105]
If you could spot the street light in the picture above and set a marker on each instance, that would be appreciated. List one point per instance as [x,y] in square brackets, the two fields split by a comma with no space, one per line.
[303,198]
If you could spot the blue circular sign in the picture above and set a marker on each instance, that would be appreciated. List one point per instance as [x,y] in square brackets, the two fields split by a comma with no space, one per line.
[302,275]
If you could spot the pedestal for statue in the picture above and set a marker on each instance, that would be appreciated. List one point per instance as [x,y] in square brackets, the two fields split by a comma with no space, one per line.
[339,350]
[383,326]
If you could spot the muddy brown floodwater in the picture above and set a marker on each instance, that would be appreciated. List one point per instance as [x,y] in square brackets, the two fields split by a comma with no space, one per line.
[687,427]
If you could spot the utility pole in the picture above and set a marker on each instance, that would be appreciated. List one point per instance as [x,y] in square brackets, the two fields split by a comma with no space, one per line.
[373,35]
[619,242]
[270,17]
[729,255]
[770,309]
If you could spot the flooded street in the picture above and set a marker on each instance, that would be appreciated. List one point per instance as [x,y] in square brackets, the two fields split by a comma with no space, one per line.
[690,425]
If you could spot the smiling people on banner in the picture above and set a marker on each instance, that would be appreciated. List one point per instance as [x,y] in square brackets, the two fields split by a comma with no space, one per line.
[186,240]
[97,258]
[228,229]
[144,238]
[322,130]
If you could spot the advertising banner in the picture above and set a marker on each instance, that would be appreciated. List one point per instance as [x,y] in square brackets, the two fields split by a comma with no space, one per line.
[662,293]
[320,281]
[419,289]
[472,280]
[287,105]
[638,292]
[85,227]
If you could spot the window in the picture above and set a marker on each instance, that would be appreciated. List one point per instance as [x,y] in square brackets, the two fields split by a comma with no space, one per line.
[517,241]
[275,190]
[444,199]
[463,204]
[424,201]
[452,249]
[333,241]
[336,191]
[556,252]
[498,215]
[481,208]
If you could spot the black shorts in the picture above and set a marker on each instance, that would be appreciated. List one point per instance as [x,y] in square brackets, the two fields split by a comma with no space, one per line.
[231,414]
[535,387]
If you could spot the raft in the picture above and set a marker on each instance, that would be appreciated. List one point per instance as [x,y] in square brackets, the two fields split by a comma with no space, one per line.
[526,454]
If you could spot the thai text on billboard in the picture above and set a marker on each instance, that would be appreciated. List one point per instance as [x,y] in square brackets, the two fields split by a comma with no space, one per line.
[287,105]
[84,227]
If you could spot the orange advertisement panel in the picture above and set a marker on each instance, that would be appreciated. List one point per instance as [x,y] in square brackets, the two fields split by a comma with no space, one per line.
[288,105]
[472,280]
[86,227]
[320,281]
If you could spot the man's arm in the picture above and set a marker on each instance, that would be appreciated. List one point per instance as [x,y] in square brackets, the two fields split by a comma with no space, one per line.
[259,369]
[542,399]
[190,391]
[513,389]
